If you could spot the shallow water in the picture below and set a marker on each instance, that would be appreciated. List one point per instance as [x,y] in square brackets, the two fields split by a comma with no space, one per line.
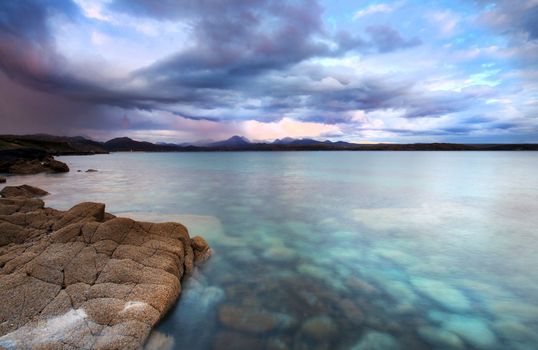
[336,250]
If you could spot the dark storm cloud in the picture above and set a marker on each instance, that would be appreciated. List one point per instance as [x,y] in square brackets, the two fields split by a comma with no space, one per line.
[256,56]
[232,47]
[518,21]
[234,43]
[512,16]
[387,39]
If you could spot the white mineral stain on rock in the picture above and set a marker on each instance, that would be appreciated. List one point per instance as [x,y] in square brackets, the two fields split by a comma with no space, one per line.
[44,332]
[133,305]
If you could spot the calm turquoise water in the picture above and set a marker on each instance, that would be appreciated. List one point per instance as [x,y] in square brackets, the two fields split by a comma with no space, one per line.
[336,250]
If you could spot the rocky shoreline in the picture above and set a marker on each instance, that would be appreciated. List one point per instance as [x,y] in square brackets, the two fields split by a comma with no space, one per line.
[29,161]
[83,278]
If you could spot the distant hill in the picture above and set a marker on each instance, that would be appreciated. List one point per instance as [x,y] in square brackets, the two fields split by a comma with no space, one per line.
[126,144]
[29,145]
[233,142]
[55,145]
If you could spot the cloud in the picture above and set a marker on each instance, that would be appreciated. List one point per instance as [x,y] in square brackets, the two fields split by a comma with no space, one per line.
[446,21]
[187,70]
[287,127]
[372,9]
[386,39]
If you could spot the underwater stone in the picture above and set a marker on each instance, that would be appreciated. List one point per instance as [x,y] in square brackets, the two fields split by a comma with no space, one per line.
[400,291]
[440,338]
[280,254]
[374,340]
[512,330]
[515,309]
[396,256]
[250,320]
[314,271]
[320,328]
[475,331]
[361,286]
[242,255]
[442,293]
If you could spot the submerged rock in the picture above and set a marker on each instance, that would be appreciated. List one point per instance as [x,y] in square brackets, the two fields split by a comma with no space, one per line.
[320,328]
[236,341]
[440,338]
[373,340]
[445,295]
[251,320]
[474,331]
[91,171]
[83,278]
[512,330]
[280,254]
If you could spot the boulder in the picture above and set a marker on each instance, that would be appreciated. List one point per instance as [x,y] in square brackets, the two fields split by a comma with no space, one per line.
[56,166]
[27,167]
[2,180]
[82,278]
[201,249]
[28,164]
[25,191]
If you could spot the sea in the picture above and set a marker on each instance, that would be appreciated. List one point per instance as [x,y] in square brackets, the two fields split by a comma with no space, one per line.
[335,250]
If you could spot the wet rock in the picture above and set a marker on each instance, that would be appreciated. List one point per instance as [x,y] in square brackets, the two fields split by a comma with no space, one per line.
[251,320]
[400,291]
[440,338]
[83,279]
[2,180]
[236,341]
[28,166]
[474,331]
[361,286]
[373,340]
[445,295]
[56,166]
[512,330]
[91,171]
[280,254]
[25,191]
[515,309]
[278,343]
[201,249]
[159,341]
[352,312]
[320,328]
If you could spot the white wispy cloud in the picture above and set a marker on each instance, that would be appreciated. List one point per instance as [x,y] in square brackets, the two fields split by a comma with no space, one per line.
[377,8]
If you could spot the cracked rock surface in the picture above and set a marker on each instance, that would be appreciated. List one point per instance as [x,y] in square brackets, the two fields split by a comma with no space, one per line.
[82,278]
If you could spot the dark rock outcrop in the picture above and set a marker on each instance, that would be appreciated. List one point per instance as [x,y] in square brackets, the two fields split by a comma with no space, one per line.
[22,191]
[2,180]
[26,162]
[83,278]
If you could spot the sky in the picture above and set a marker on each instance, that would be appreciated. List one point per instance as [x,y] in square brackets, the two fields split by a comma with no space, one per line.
[361,71]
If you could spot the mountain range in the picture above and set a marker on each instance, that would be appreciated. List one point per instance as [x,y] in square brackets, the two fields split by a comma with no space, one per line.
[61,145]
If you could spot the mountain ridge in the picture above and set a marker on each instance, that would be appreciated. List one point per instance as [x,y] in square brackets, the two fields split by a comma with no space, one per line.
[63,145]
